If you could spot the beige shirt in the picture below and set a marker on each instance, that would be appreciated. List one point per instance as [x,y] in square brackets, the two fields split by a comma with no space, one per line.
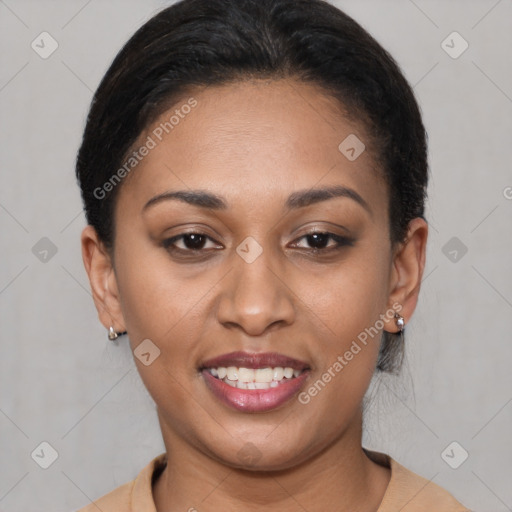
[406,491]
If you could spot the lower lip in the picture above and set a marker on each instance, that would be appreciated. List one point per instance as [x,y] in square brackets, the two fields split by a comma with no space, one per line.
[254,400]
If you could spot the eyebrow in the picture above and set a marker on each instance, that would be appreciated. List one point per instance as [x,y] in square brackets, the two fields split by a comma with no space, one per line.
[298,199]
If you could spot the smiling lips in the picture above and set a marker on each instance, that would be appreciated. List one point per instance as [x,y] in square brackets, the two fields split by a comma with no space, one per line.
[254,382]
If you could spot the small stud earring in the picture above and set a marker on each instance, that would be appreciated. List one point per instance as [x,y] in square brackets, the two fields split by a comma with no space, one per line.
[113,335]
[400,323]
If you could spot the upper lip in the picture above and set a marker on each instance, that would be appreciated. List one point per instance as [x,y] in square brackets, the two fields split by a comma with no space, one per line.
[254,360]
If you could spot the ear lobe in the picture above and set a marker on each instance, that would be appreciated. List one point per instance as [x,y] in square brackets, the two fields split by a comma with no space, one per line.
[407,272]
[102,279]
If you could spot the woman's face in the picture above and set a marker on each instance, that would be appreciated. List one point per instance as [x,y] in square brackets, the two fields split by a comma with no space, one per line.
[252,280]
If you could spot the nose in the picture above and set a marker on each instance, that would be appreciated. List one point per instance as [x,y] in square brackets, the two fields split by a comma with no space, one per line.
[255,297]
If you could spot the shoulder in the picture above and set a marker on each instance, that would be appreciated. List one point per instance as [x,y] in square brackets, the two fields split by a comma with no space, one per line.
[117,500]
[132,496]
[410,492]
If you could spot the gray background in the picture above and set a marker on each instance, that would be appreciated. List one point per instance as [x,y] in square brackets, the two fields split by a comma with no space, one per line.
[62,382]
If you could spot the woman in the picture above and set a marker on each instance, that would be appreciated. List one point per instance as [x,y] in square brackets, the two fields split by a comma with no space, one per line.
[254,175]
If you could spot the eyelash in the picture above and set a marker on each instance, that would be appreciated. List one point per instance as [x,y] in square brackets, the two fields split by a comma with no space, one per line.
[341,241]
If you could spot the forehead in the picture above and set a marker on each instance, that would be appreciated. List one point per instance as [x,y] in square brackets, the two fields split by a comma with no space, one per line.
[257,139]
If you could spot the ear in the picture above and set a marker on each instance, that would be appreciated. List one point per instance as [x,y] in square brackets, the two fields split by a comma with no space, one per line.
[103,280]
[406,273]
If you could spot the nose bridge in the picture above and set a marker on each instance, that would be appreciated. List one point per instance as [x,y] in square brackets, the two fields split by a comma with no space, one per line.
[254,296]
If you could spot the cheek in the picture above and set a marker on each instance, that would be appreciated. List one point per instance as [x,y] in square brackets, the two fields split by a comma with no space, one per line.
[344,299]
[155,295]
[159,305]
[169,305]
[343,311]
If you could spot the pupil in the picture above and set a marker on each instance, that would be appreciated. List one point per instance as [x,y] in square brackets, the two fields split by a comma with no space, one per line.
[315,237]
[194,241]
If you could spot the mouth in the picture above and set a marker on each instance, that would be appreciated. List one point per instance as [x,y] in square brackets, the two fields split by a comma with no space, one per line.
[254,382]
[249,378]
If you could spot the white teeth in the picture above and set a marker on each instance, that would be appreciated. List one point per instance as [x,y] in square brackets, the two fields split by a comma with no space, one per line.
[288,373]
[278,373]
[264,375]
[250,378]
[232,373]
[246,374]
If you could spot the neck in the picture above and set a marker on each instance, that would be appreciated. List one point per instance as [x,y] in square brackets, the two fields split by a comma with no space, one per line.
[340,474]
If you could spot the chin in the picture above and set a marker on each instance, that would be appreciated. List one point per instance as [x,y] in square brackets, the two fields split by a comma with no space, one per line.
[260,453]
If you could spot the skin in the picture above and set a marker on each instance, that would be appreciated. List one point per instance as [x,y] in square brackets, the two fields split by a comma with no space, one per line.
[254,143]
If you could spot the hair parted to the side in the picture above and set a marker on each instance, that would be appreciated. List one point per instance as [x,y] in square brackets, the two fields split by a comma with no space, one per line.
[216,42]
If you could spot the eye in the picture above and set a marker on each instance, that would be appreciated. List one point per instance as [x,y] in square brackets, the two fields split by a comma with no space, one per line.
[319,241]
[191,242]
